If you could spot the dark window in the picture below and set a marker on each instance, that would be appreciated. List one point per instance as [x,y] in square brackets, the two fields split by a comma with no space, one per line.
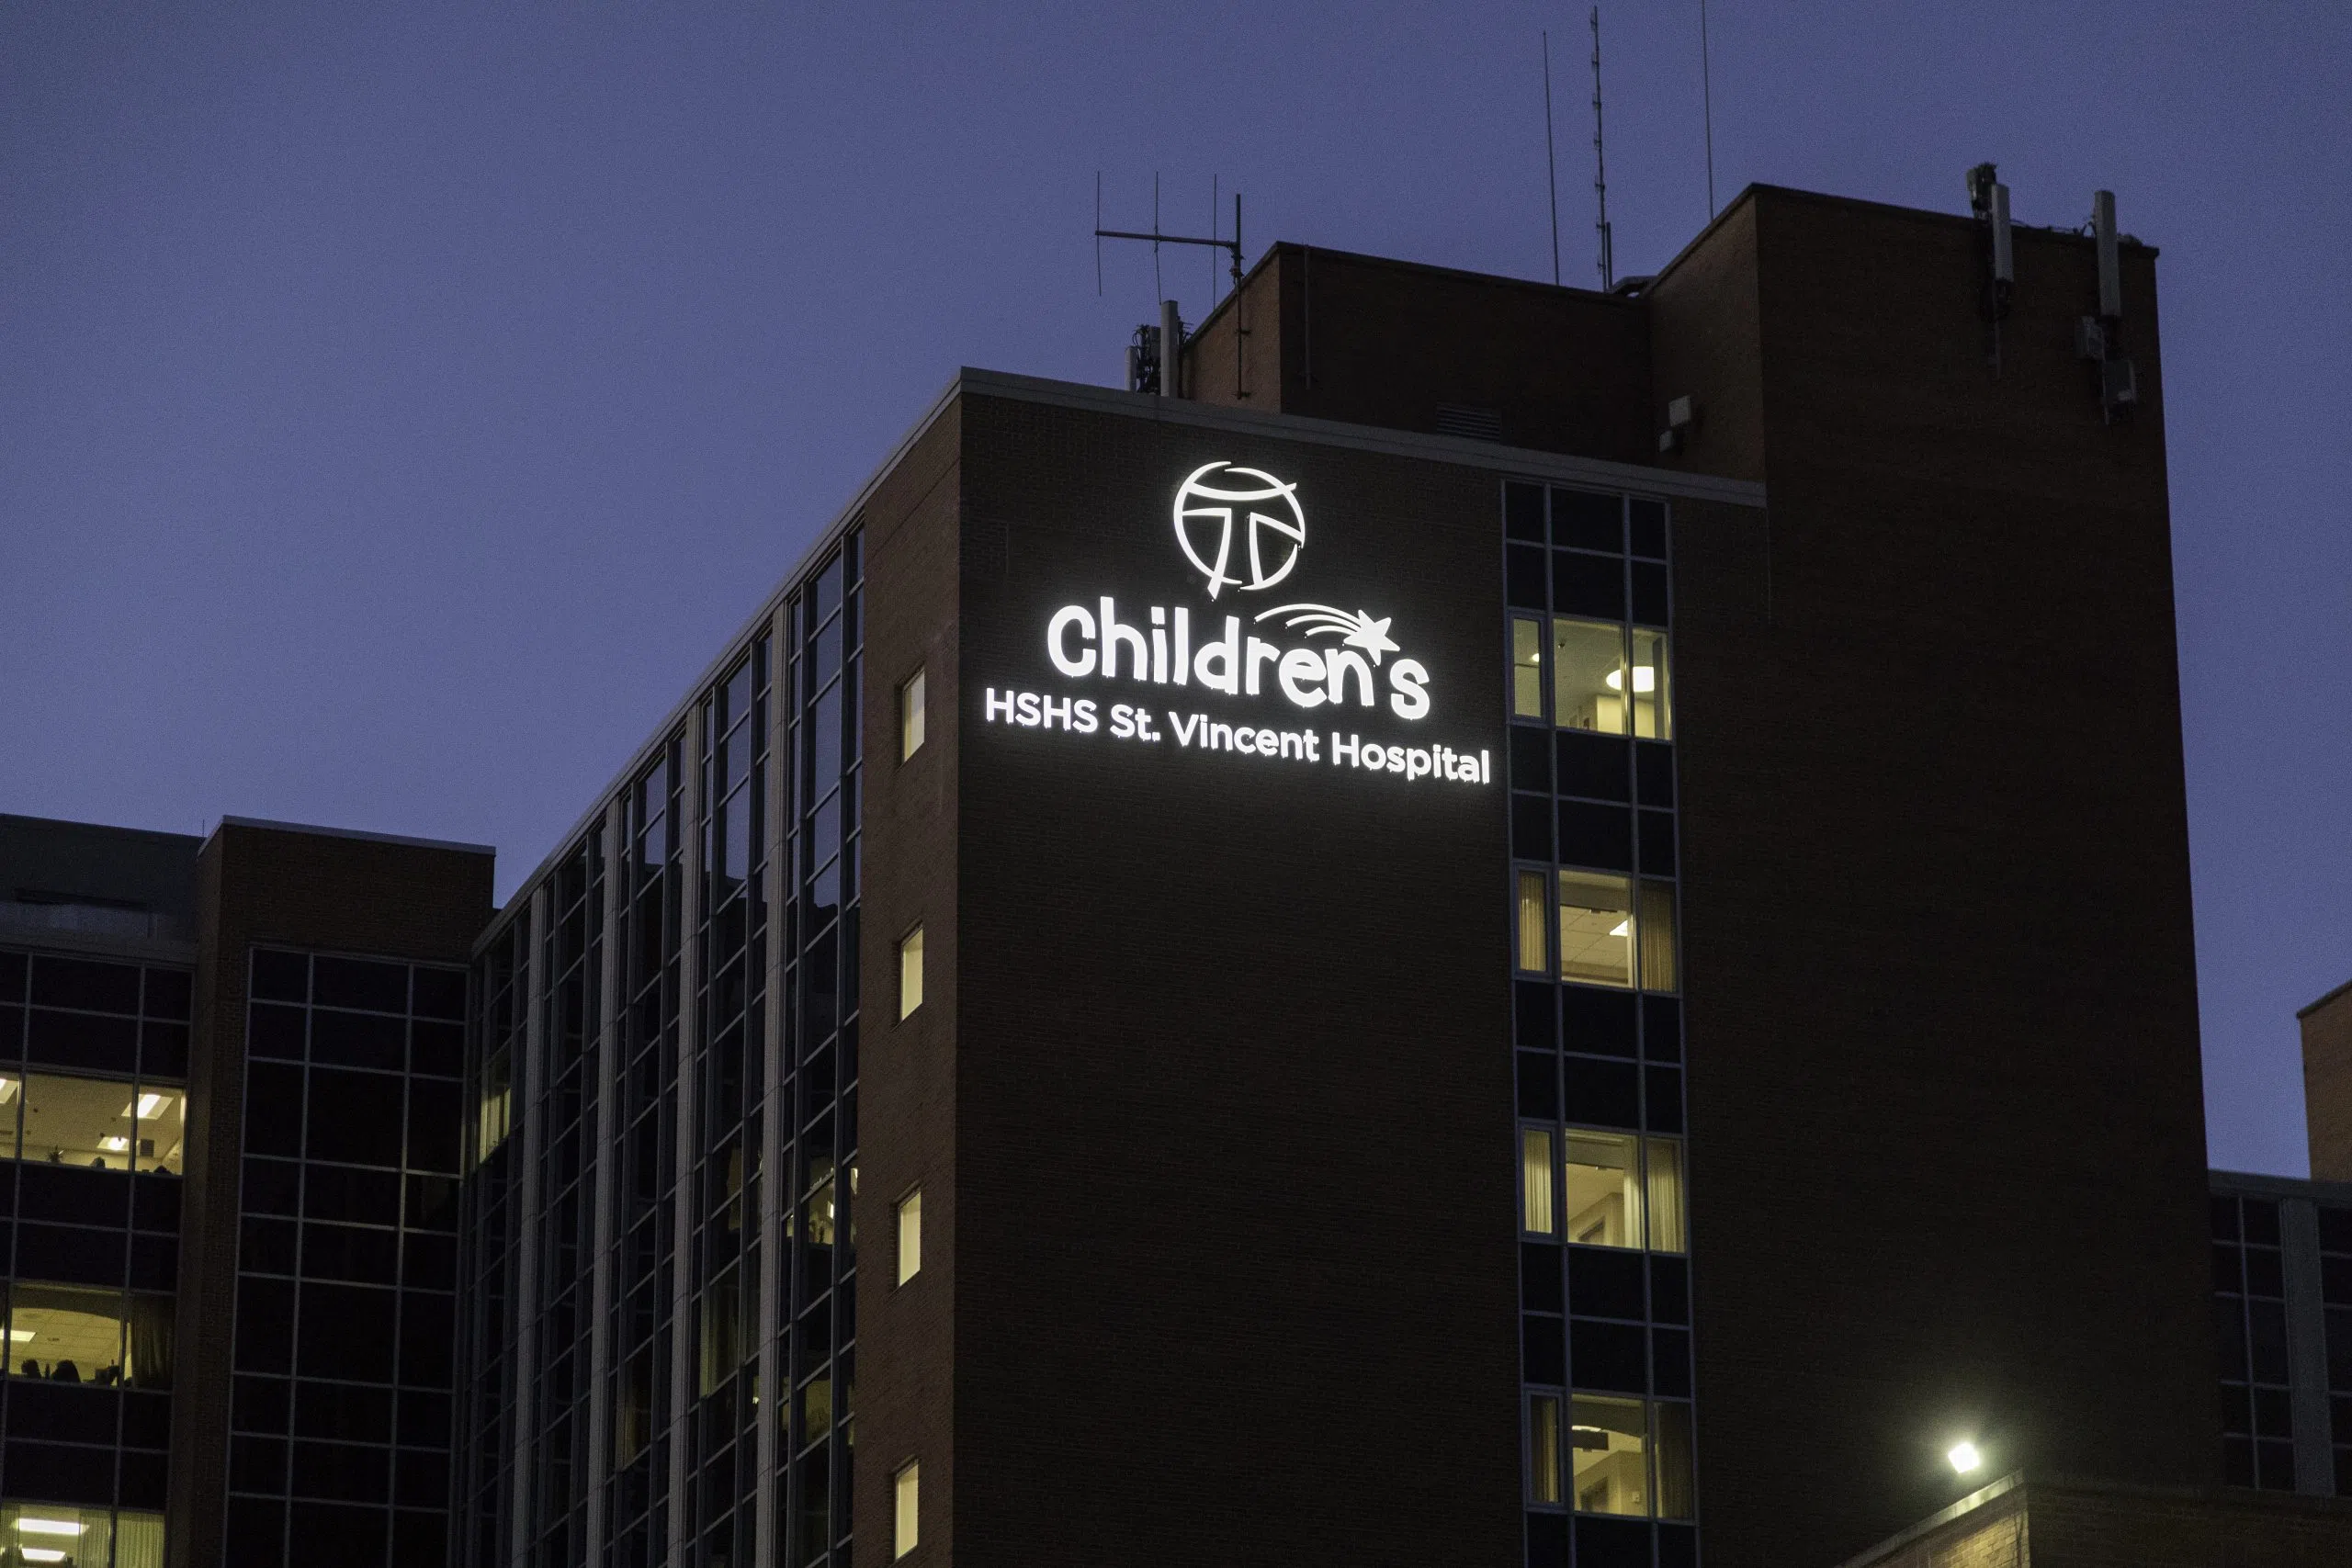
[355,1117]
[2267,1332]
[1602,1093]
[358,983]
[343,1412]
[281,977]
[1647,519]
[1531,757]
[1523,511]
[258,1464]
[441,993]
[168,993]
[82,983]
[1588,585]
[2263,1274]
[12,976]
[1656,836]
[2229,1277]
[1524,576]
[85,1041]
[1596,1021]
[358,1039]
[1539,1090]
[2261,1222]
[1612,1543]
[1649,594]
[1663,1106]
[1670,1361]
[1608,1355]
[163,1049]
[424,1418]
[2336,1230]
[1654,773]
[346,1332]
[1539,1277]
[434,1120]
[275,1032]
[1670,1290]
[1662,1029]
[1541,1351]
[352,1197]
[438,1049]
[334,1534]
[1592,765]
[273,1109]
[1531,826]
[272,1187]
[259,1403]
[1538,1018]
[265,1325]
[1587,519]
[1595,835]
[267,1245]
[360,1255]
[1605,1283]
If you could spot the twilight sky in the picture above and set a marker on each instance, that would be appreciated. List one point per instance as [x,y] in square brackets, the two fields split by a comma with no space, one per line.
[398,404]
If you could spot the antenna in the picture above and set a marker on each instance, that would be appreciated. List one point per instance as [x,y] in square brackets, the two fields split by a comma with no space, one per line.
[1551,164]
[1231,247]
[1707,109]
[1599,166]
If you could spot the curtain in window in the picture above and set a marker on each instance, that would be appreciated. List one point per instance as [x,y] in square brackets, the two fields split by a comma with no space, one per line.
[1656,928]
[138,1540]
[151,1343]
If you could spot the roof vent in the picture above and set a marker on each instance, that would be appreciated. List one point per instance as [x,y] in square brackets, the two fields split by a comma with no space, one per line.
[1478,424]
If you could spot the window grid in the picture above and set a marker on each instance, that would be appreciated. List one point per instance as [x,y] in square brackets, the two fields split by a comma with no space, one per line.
[88,1421]
[1597,1021]
[340,1413]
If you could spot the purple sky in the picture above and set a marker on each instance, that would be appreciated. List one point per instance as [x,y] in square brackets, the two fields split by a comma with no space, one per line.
[398,404]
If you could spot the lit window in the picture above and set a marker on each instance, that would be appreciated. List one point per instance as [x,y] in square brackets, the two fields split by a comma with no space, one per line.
[910,972]
[906,1489]
[1671,1427]
[1613,1193]
[1589,675]
[1656,927]
[1535,1180]
[1531,921]
[910,716]
[1544,1448]
[1596,928]
[1653,707]
[493,1112]
[1604,1189]
[105,1124]
[61,1533]
[1526,668]
[1609,1454]
[909,1235]
[78,1335]
[1662,1168]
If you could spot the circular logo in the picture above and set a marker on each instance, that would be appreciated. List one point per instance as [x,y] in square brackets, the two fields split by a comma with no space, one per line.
[1218,500]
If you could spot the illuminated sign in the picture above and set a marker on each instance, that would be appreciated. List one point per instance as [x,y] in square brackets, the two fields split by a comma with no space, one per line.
[1242,529]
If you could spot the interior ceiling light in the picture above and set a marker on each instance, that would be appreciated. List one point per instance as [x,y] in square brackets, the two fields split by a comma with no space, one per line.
[51,1526]
[1644,680]
[21,1336]
[41,1555]
[115,1144]
[149,1104]
[1622,928]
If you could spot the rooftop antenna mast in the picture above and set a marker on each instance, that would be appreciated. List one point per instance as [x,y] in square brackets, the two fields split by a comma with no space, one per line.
[1599,166]
[1707,107]
[1231,247]
[1551,163]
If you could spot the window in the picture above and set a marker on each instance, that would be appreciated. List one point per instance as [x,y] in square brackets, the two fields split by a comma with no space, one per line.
[493,1115]
[1626,1456]
[1526,668]
[1544,1447]
[61,1533]
[1589,675]
[909,1235]
[1652,709]
[911,716]
[910,972]
[1613,1192]
[1531,921]
[1605,929]
[74,1334]
[1596,928]
[105,1124]
[906,1488]
[1535,1180]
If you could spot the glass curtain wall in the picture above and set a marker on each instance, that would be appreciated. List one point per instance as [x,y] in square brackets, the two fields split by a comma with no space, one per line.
[1594,945]
[92,1101]
[340,1418]
[624,1210]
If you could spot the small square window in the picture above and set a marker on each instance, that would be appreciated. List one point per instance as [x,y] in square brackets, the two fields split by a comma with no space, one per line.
[911,716]
[910,972]
[909,1235]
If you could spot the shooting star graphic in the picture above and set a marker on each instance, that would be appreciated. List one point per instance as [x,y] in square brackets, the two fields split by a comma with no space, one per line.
[1357,630]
